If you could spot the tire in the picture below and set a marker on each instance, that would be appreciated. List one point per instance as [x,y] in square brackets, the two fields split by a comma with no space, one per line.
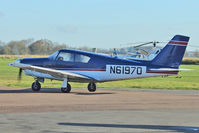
[36,86]
[67,89]
[91,87]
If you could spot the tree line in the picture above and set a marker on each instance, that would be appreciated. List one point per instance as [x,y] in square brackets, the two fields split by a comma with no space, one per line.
[29,46]
[40,47]
[47,47]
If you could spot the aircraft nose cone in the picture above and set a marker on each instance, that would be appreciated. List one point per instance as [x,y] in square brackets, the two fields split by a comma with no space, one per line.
[10,64]
[15,62]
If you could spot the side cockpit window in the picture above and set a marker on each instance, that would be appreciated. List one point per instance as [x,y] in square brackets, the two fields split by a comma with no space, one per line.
[63,56]
[81,58]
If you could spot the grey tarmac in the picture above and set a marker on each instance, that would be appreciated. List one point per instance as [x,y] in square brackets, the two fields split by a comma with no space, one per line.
[106,110]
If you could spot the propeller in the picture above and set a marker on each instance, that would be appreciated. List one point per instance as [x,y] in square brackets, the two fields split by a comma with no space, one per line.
[20,73]
[16,52]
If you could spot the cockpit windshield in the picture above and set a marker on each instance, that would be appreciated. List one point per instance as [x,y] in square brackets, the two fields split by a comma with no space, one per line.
[54,55]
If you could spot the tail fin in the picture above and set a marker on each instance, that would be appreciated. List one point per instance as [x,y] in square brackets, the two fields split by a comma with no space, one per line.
[172,54]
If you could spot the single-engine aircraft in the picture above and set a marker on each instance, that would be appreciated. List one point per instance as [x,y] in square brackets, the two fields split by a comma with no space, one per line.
[69,65]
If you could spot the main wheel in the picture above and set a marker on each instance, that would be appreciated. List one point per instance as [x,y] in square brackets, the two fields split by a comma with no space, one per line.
[67,89]
[36,86]
[92,87]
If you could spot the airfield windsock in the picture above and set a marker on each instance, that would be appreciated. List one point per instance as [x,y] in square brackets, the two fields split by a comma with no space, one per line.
[172,54]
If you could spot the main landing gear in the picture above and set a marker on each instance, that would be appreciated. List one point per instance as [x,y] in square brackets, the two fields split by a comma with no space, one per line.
[91,87]
[66,88]
[36,86]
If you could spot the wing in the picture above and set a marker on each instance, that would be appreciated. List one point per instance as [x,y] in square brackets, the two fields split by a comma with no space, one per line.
[53,72]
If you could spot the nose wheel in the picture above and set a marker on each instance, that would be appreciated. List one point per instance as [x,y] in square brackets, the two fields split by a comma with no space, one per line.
[91,87]
[36,86]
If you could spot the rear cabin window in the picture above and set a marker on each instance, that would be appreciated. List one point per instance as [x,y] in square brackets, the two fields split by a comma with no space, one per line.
[81,58]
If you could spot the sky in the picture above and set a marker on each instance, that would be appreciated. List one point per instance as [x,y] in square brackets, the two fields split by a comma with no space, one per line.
[99,23]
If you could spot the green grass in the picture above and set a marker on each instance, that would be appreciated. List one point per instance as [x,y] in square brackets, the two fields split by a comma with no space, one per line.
[189,80]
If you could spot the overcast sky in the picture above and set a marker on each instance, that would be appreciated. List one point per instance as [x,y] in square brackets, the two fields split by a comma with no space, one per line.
[99,23]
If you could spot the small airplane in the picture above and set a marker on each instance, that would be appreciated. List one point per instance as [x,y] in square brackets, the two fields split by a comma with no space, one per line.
[69,65]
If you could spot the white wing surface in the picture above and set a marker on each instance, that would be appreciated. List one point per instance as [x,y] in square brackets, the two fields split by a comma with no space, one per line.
[53,72]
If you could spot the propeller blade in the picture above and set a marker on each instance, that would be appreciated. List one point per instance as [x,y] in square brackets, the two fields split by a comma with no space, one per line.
[20,73]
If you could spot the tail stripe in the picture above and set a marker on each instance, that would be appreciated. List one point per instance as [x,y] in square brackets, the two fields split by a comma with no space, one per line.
[178,42]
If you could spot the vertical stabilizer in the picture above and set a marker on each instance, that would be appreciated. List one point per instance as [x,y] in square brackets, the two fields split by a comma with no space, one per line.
[171,55]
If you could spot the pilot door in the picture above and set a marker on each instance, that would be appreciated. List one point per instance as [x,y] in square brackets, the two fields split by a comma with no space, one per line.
[65,60]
